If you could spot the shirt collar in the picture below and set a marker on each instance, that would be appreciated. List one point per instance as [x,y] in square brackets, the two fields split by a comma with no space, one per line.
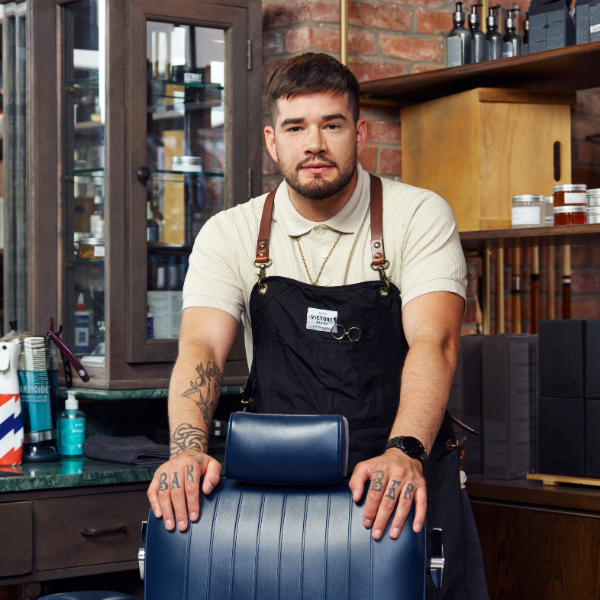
[347,220]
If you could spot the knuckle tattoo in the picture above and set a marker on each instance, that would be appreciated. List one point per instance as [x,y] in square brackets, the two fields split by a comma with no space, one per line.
[163,485]
[377,483]
[408,492]
[392,490]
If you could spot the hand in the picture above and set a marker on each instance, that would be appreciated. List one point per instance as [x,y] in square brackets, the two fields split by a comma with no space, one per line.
[395,478]
[178,480]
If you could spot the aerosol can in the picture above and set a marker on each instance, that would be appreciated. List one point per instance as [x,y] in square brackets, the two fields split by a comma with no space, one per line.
[11,422]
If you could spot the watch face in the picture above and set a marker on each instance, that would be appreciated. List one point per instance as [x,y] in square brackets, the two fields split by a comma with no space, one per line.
[413,447]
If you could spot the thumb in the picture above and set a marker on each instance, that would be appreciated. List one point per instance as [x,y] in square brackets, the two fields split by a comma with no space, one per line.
[212,476]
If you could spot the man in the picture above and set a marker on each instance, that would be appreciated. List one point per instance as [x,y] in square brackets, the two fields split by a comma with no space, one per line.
[349,296]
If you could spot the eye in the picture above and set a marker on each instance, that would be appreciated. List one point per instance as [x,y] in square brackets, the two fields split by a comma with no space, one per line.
[333,126]
[294,129]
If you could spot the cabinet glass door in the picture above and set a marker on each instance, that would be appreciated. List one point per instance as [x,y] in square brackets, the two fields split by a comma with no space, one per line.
[185,158]
[84,199]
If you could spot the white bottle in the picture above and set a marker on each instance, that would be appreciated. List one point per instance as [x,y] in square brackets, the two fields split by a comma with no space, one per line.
[97,219]
[11,444]
[82,327]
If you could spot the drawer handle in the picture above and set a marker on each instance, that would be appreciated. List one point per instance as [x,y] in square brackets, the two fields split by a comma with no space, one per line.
[98,532]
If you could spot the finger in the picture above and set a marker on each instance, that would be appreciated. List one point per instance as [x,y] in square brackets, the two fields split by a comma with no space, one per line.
[212,477]
[178,494]
[192,489]
[357,482]
[153,497]
[420,508]
[405,501]
[376,489]
[164,499]
[386,507]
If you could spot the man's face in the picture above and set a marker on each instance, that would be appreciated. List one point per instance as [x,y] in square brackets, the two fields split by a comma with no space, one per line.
[316,143]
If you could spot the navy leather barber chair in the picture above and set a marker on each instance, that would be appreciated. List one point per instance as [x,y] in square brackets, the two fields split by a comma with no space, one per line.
[282,525]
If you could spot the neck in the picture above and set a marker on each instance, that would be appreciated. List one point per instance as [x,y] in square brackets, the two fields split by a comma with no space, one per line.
[322,210]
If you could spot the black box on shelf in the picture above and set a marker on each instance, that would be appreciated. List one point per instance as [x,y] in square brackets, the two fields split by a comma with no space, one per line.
[592,358]
[534,393]
[592,438]
[587,21]
[562,359]
[550,25]
[465,402]
[562,436]
[506,406]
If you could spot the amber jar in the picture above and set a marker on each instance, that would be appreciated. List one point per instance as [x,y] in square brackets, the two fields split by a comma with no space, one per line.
[570,215]
[571,194]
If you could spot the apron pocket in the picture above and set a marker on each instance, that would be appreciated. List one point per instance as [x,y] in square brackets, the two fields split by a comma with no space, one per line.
[327,377]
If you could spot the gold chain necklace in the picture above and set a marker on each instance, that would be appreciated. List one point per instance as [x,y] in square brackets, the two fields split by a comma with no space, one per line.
[324,263]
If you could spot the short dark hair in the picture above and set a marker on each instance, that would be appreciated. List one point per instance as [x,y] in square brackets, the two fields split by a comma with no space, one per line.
[310,73]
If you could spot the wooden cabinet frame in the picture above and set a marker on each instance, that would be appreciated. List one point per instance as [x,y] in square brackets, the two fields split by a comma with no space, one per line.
[131,360]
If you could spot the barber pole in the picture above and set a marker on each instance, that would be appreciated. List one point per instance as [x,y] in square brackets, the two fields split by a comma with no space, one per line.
[11,423]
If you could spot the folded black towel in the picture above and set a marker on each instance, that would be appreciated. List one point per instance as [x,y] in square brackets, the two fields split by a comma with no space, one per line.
[138,450]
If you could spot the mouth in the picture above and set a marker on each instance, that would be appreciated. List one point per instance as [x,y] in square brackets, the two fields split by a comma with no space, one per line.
[317,168]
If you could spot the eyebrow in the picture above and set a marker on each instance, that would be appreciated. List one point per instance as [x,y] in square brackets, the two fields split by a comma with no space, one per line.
[300,120]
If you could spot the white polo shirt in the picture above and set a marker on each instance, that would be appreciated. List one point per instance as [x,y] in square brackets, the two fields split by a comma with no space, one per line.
[420,238]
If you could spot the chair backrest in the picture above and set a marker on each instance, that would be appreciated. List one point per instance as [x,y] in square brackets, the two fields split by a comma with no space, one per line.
[272,542]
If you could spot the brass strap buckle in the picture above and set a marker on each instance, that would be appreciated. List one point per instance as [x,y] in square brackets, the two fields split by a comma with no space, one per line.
[262,287]
[383,291]
[460,446]
[249,405]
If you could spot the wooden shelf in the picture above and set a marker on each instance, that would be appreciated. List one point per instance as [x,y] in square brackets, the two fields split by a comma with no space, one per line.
[538,236]
[565,69]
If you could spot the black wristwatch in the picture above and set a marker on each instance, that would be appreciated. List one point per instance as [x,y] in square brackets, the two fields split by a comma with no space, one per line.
[410,446]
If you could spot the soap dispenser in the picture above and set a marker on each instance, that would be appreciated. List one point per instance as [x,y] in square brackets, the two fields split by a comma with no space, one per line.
[458,42]
[477,36]
[526,34]
[71,427]
[512,43]
[493,38]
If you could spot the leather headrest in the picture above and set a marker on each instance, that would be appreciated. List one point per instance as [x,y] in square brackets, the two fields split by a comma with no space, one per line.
[287,449]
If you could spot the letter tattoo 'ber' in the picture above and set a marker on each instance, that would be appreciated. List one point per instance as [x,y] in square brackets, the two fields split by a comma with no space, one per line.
[408,491]
[163,485]
[377,483]
[189,474]
[392,491]
[175,484]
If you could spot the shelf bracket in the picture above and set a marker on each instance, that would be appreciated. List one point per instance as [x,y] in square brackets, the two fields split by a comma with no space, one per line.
[249,56]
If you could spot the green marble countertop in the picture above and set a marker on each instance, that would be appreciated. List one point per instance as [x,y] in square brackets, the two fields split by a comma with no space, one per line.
[143,394]
[73,473]
[78,473]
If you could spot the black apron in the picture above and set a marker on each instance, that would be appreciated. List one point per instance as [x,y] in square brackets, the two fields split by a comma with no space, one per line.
[296,370]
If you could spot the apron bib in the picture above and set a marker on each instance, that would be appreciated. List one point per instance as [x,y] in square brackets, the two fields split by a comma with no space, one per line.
[301,370]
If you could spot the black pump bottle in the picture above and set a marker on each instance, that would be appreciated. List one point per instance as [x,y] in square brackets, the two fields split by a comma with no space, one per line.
[512,43]
[458,43]
[493,39]
[477,36]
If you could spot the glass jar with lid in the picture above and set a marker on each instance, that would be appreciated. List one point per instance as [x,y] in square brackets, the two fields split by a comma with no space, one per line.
[593,214]
[528,211]
[570,215]
[570,194]
[549,202]
[593,198]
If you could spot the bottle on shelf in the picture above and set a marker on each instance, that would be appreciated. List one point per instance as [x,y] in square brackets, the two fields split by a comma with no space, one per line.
[149,324]
[512,43]
[477,36]
[493,38]
[97,218]
[82,327]
[152,229]
[458,43]
[526,34]
[71,427]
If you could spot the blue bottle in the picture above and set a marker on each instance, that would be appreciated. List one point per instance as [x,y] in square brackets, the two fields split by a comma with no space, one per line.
[71,428]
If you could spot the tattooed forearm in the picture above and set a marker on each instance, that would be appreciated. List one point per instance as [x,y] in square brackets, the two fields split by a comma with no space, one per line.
[377,483]
[408,491]
[392,491]
[187,437]
[204,391]
[189,474]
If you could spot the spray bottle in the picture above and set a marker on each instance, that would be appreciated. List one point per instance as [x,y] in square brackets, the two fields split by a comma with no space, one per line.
[11,423]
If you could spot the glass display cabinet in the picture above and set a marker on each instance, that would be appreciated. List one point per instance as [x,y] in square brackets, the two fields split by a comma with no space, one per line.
[155,128]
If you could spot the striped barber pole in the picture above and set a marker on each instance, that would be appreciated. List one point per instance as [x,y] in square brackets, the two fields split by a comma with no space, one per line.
[11,430]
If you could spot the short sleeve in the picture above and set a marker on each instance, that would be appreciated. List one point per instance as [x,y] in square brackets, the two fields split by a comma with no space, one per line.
[432,255]
[212,279]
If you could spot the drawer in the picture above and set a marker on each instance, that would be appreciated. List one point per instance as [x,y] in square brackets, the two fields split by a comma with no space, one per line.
[89,530]
[16,538]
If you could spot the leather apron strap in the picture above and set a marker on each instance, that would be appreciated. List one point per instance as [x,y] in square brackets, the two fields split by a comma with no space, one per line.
[377,251]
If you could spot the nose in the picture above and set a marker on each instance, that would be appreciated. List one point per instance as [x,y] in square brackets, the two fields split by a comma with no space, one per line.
[315,142]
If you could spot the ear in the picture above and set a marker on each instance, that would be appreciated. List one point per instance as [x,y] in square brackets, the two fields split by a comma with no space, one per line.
[361,135]
[270,141]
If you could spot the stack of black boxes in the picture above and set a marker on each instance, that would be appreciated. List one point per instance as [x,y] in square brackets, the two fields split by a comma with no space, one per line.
[569,403]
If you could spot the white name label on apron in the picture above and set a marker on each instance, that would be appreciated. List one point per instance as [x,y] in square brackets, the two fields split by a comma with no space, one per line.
[321,320]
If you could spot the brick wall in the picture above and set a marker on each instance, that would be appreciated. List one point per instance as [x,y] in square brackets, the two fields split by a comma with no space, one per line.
[390,38]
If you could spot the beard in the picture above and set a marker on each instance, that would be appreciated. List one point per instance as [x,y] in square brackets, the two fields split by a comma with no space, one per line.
[318,188]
